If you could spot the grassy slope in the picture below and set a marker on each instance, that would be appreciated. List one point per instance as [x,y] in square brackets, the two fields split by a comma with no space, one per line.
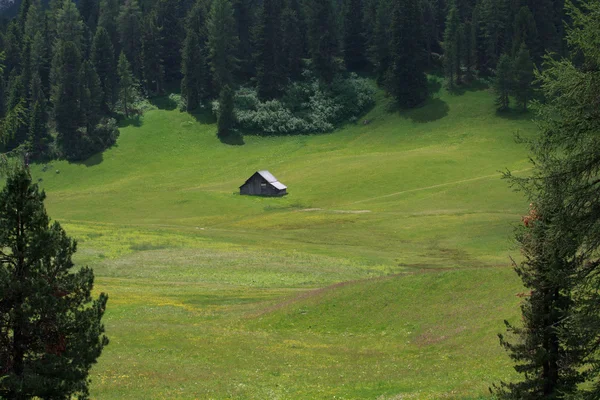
[213,295]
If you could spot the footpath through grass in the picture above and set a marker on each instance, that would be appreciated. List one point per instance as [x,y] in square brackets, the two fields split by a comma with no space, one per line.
[383,274]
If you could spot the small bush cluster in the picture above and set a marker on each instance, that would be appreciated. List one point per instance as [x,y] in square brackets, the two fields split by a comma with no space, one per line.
[103,136]
[306,107]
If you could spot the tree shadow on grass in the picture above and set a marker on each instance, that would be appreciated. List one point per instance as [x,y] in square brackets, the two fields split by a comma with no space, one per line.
[235,138]
[516,114]
[96,159]
[204,116]
[164,103]
[134,120]
[431,110]
[474,86]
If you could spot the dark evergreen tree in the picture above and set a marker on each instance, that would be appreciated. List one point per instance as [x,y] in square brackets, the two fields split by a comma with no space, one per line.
[503,83]
[293,45]
[494,17]
[51,330]
[193,67]
[195,85]
[103,60]
[38,135]
[243,16]
[169,21]
[354,35]
[152,64]
[407,80]
[380,48]
[129,25]
[323,38]
[107,19]
[66,96]
[523,75]
[69,27]
[525,31]
[91,96]
[90,11]
[127,89]
[222,43]
[226,118]
[452,47]
[270,62]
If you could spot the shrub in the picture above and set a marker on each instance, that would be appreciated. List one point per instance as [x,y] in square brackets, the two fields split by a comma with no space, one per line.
[306,106]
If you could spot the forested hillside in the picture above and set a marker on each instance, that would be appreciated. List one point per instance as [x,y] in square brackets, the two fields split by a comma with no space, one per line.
[271,67]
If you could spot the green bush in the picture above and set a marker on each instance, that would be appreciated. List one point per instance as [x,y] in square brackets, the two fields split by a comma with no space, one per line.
[306,107]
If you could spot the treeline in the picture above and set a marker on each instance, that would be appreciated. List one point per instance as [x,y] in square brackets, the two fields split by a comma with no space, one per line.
[71,68]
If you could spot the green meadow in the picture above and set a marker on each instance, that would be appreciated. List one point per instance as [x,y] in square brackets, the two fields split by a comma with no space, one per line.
[384,274]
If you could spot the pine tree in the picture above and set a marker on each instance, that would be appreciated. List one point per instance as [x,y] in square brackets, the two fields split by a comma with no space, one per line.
[269,50]
[109,12]
[129,26]
[169,22]
[525,31]
[51,328]
[323,38]
[523,75]
[69,26]
[90,11]
[91,96]
[407,79]
[126,84]
[451,46]
[292,40]
[354,35]
[152,64]
[226,118]
[66,96]
[380,47]
[222,43]
[503,83]
[103,59]
[244,20]
[38,131]
[193,70]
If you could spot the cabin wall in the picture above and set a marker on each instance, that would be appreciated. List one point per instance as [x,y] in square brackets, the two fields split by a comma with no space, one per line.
[254,187]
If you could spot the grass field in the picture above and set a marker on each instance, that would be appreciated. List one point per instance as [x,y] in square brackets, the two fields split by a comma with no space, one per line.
[384,274]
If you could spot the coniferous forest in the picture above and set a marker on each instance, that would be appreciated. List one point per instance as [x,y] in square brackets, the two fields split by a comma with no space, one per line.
[72,69]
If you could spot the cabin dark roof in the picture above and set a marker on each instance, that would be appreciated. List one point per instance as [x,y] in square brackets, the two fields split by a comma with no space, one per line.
[269,178]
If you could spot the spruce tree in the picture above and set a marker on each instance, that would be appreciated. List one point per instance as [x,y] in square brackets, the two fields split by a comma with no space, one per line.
[129,26]
[226,118]
[555,351]
[90,11]
[38,135]
[152,64]
[292,40]
[109,12]
[103,59]
[451,46]
[222,43]
[51,330]
[523,76]
[407,80]
[525,31]
[193,70]
[379,50]
[69,27]
[171,32]
[323,37]
[91,96]
[503,82]
[244,24]
[270,64]
[66,96]
[354,35]
[126,84]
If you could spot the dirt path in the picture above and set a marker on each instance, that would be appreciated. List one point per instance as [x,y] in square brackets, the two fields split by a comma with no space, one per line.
[434,186]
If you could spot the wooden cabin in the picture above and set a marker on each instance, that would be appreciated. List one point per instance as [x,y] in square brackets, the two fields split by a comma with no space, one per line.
[263,183]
